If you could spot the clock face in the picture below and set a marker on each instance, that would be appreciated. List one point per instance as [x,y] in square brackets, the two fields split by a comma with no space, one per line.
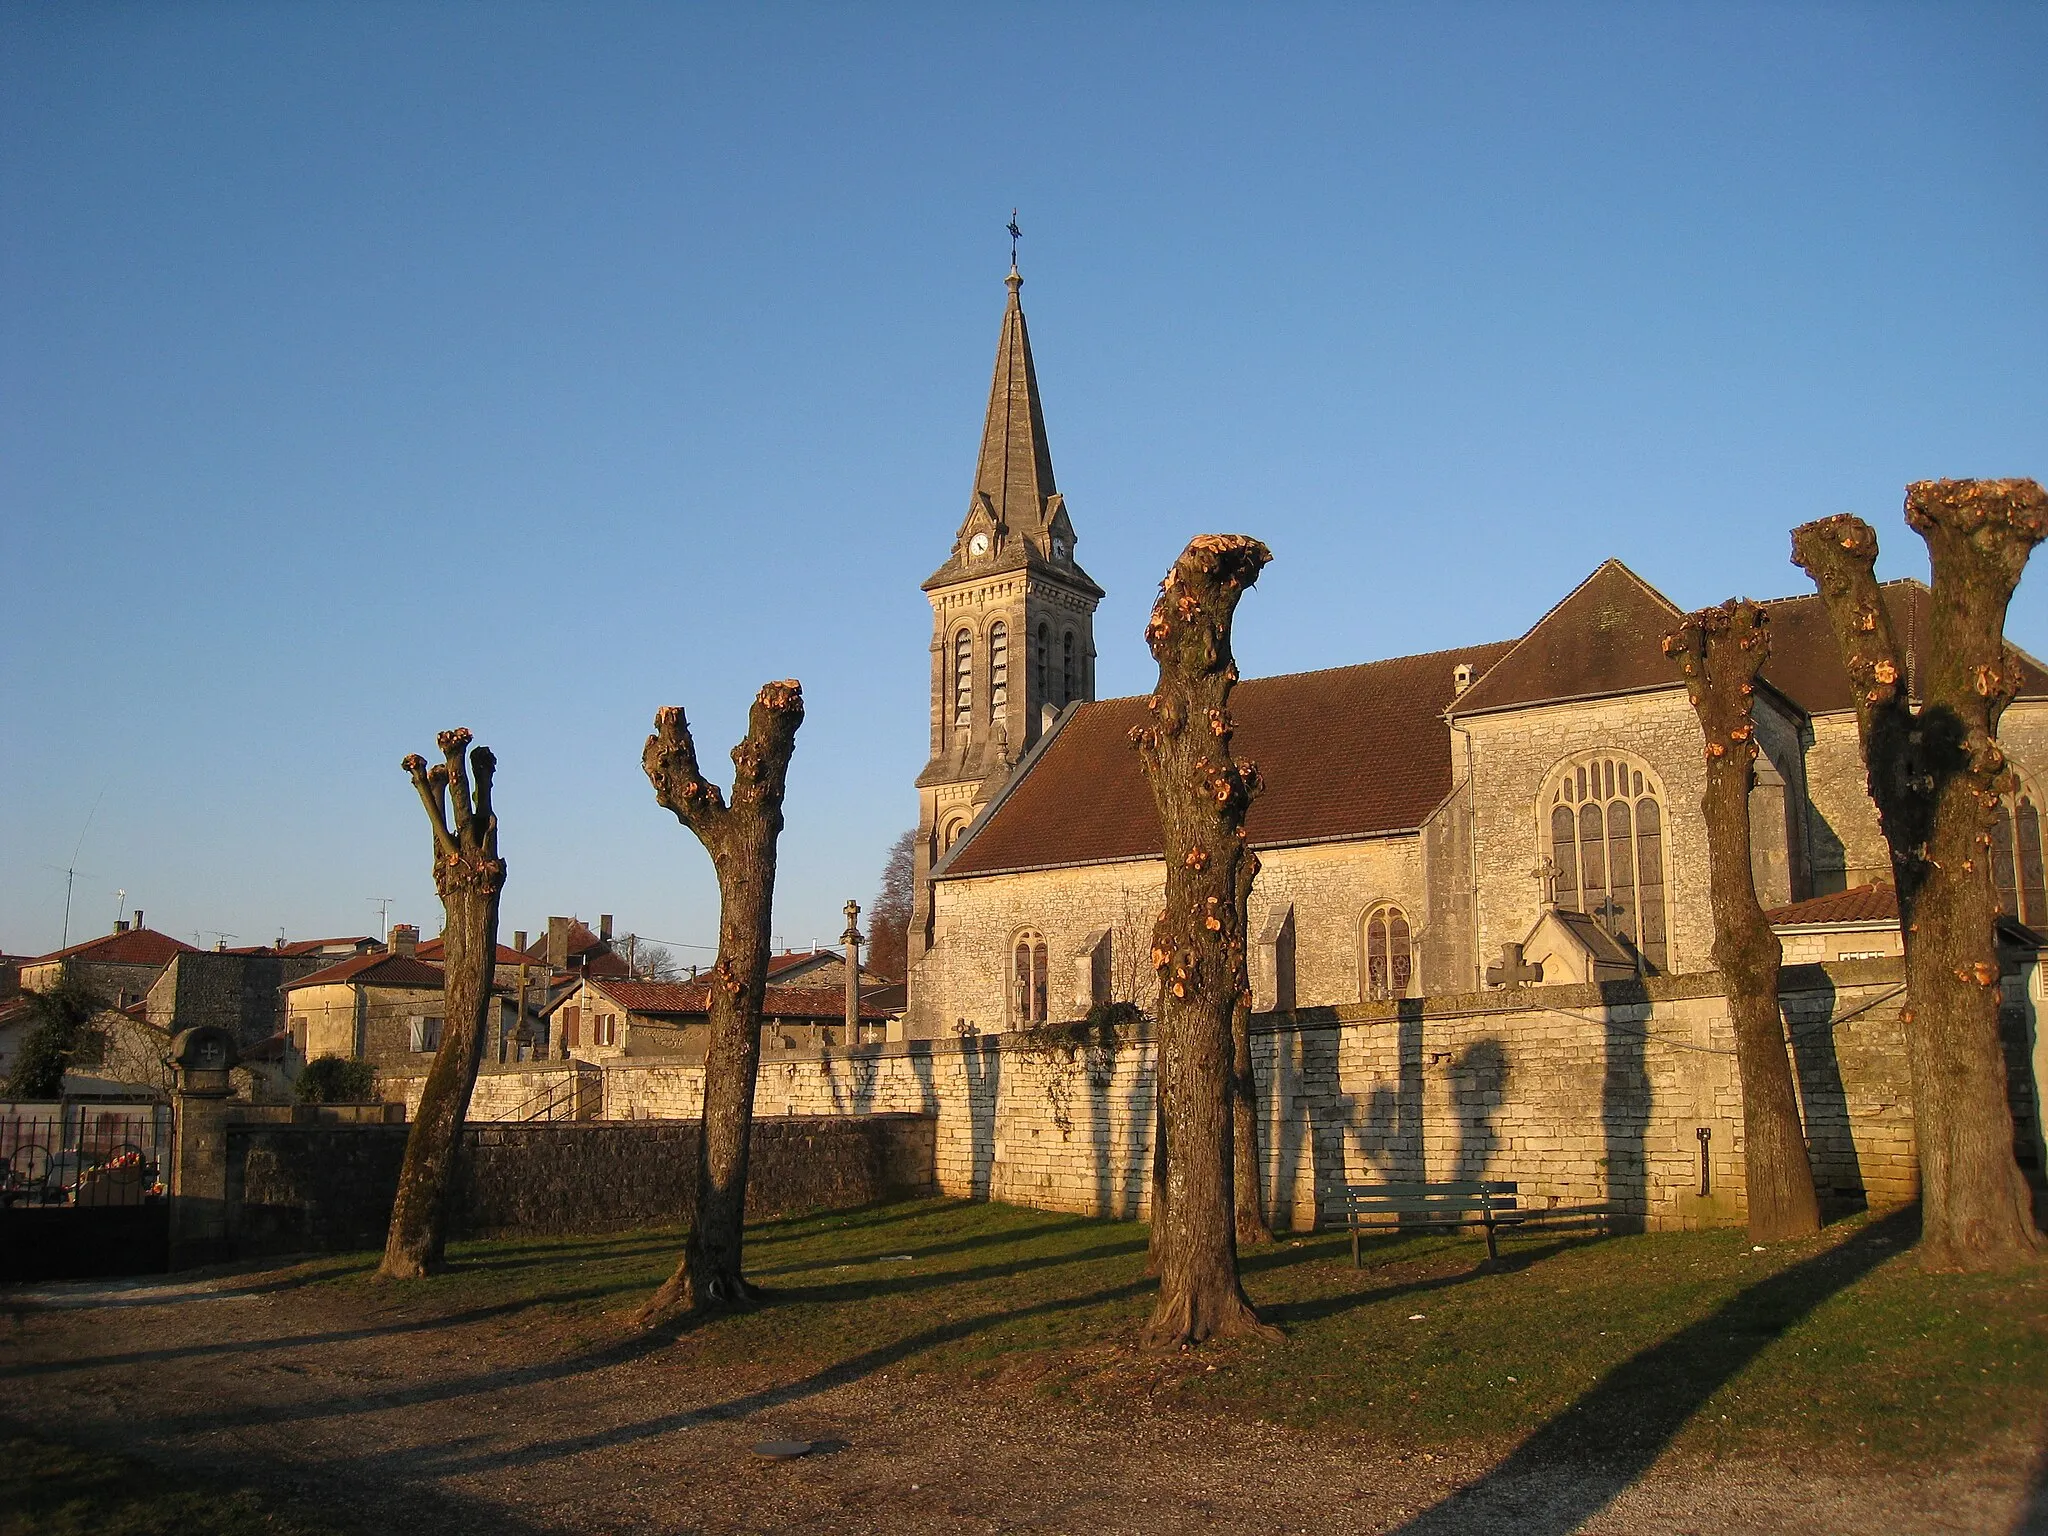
[978,545]
[1059,549]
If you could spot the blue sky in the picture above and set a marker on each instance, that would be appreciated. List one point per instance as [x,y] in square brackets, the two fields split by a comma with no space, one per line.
[367,369]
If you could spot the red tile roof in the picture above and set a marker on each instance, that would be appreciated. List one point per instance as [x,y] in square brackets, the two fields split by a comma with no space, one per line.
[1878,903]
[1344,753]
[379,970]
[694,998]
[434,949]
[136,946]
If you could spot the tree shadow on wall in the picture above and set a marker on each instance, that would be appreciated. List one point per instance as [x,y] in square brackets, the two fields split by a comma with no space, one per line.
[1823,1099]
[1479,1085]
[1625,1100]
[1615,1432]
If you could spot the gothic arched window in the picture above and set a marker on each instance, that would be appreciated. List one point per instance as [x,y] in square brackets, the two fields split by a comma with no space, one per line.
[963,678]
[1044,652]
[998,666]
[1389,953]
[1027,979]
[2016,864]
[1070,680]
[1606,836]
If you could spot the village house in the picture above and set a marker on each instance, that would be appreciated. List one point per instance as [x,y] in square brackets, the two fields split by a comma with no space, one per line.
[603,1018]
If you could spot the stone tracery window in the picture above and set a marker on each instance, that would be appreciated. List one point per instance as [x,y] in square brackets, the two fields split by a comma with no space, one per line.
[1606,836]
[1028,979]
[963,678]
[2017,873]
[998,666]
[1389,953]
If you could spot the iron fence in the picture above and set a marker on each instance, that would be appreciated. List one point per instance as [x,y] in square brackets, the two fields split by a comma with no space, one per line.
[83,1154]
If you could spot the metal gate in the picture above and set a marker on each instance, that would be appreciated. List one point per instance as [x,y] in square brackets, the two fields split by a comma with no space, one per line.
[82,1189]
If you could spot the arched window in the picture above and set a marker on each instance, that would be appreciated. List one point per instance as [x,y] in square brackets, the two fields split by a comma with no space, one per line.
[998,666]
[1389,953]
[952,833]
[1070,680]
[2016,865]
[963,678]
[1027,979]
[1606,835]
[1044,653]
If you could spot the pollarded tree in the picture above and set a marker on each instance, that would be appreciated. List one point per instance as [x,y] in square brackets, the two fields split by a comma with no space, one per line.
[1936,773]
[1721,651]
[1198,945]
[741,838]
[470,878]
[1252,1226]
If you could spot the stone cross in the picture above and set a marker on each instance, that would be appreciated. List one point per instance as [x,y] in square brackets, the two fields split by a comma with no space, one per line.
[1513,970]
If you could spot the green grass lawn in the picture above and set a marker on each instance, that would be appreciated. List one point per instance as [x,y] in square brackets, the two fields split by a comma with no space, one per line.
[48,1489]
[1838,1347]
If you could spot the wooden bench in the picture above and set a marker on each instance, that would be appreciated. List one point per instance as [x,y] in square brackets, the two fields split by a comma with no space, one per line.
[1487,1203]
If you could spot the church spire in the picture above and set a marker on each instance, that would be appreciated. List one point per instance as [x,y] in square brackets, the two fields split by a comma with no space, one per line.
[1015,470]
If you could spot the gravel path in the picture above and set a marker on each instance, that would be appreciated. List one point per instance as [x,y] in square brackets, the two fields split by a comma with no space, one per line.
[488,1421]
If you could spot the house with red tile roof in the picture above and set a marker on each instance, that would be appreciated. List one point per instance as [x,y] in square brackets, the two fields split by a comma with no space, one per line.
[602,1018]
[1428,822]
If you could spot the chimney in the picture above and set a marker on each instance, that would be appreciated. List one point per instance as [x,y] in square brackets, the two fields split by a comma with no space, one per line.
[558,943]
[138,919]
[404,939]
[1461,678]
[519,940]
[120,925]
[604,926]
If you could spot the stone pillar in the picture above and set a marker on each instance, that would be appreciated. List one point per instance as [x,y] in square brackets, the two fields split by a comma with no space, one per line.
[204,1059]
[852,940]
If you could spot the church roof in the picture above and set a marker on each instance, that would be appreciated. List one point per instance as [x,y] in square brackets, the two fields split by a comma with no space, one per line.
[1014,491]
[1605,637]
[1348,752]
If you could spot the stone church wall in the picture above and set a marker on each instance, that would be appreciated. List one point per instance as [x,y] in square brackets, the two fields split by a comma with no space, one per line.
[1581,1094]
[1514,752]
[964,978]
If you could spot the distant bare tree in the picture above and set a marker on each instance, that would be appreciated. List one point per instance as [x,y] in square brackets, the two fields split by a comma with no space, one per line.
[648,960]
[470,877]
[1936,773]
[741,839]
[889,917]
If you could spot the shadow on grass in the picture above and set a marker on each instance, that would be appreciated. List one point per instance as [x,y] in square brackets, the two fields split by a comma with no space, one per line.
[1316,1308]
[1612,1434]
[2032,1519]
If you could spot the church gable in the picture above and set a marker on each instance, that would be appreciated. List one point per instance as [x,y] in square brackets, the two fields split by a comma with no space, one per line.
[1606,637]
[1351,752]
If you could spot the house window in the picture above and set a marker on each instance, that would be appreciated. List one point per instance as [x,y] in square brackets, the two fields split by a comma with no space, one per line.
[1070,683]
[998,667]
[298,1033]
[1606,835]
[572,1026]
[423,1034]
[963,678]
[605,1029]
[1044,656]
[1027,982]
[1389,953]
[2016,864]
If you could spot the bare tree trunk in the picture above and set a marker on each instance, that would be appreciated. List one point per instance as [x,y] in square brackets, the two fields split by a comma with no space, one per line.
[1721,651]
[470,877]
[1936,774]
[741,840]
[1244,1082]
[1197,947]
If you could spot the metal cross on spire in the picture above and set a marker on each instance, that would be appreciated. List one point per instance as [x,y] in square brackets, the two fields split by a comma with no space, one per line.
[1016,234]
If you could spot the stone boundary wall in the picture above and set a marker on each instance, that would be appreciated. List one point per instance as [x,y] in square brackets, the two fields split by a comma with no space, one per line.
[328,1185]
[1579,1093]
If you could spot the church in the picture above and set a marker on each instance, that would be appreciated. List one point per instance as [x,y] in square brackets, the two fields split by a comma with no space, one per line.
[1521,809]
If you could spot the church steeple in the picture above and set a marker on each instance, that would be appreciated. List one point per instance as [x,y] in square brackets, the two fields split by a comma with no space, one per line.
[1014,474]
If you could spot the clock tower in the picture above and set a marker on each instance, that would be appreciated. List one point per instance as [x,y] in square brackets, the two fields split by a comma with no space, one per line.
[1013,617]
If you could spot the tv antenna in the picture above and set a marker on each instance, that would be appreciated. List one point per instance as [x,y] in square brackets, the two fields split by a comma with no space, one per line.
[120,904]
[71,870]
[383,906]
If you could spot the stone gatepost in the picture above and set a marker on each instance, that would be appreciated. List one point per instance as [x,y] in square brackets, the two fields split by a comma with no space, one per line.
[204,1059]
